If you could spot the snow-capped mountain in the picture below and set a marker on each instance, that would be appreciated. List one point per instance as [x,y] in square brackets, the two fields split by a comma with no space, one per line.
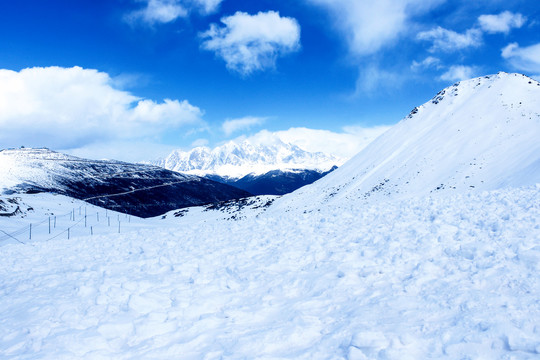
[479,134]
[236,160]
[137,189]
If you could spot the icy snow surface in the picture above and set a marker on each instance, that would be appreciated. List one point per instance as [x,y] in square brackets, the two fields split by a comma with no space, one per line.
[442,277]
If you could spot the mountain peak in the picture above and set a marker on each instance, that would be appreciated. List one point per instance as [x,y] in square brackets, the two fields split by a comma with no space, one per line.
[237,159]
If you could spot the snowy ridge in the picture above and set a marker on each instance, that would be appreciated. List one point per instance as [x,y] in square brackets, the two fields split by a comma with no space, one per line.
[479,134]
[39,167]
[235,160]
[136,189]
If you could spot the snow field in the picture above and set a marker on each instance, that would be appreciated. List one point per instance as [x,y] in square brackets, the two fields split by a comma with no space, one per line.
[443,277]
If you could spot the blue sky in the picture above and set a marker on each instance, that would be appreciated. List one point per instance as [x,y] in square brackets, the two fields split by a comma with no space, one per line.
[136,78]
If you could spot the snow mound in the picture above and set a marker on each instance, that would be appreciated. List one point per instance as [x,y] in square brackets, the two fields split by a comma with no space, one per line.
[479,134]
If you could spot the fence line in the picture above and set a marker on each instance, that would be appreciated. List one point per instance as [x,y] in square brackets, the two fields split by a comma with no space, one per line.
[30,229]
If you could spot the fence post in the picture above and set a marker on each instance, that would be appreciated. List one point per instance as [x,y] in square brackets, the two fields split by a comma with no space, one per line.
[97,216]
[30,236]
[49,224]
[84,220]
[91,231]
[119,227]
[68,233]
[55,221]
[109,220]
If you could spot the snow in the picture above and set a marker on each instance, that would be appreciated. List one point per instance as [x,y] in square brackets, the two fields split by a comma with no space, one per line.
[453,276]
[479,134]
[238,159]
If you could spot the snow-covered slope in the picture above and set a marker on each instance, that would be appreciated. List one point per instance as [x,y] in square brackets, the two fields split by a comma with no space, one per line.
[453,277]
[137,189]
[236,160]
[480,134]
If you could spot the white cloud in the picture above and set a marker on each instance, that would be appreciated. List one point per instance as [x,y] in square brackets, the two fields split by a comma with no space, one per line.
[250,43]
[523,58]
[458,73]
[165,11]
[501,23]
[368,26]
[448,40]
[233,125]
[343,144]
[427,63]
[72,107]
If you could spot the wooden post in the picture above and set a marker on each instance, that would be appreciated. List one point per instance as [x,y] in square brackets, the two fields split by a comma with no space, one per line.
[49,224]
[30,236]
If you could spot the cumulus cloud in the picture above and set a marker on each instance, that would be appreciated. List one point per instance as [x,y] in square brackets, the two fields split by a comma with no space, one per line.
[344,144]
[370,25]
[458,73]
[523,58]
[165,11]
[501,23]
[448,40]
[233,125]
[251,43]
[73,107]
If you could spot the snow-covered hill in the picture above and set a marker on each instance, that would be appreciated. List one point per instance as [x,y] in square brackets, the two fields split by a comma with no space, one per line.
[137,189]
[236,160]
[479,134]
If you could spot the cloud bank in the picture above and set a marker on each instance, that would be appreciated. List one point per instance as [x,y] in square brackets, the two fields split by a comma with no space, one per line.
[344,144]
[74,107]
[250,43]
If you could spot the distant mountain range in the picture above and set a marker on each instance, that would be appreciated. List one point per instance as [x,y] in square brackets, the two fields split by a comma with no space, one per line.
[271,169]
[136,189]
[479,134]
